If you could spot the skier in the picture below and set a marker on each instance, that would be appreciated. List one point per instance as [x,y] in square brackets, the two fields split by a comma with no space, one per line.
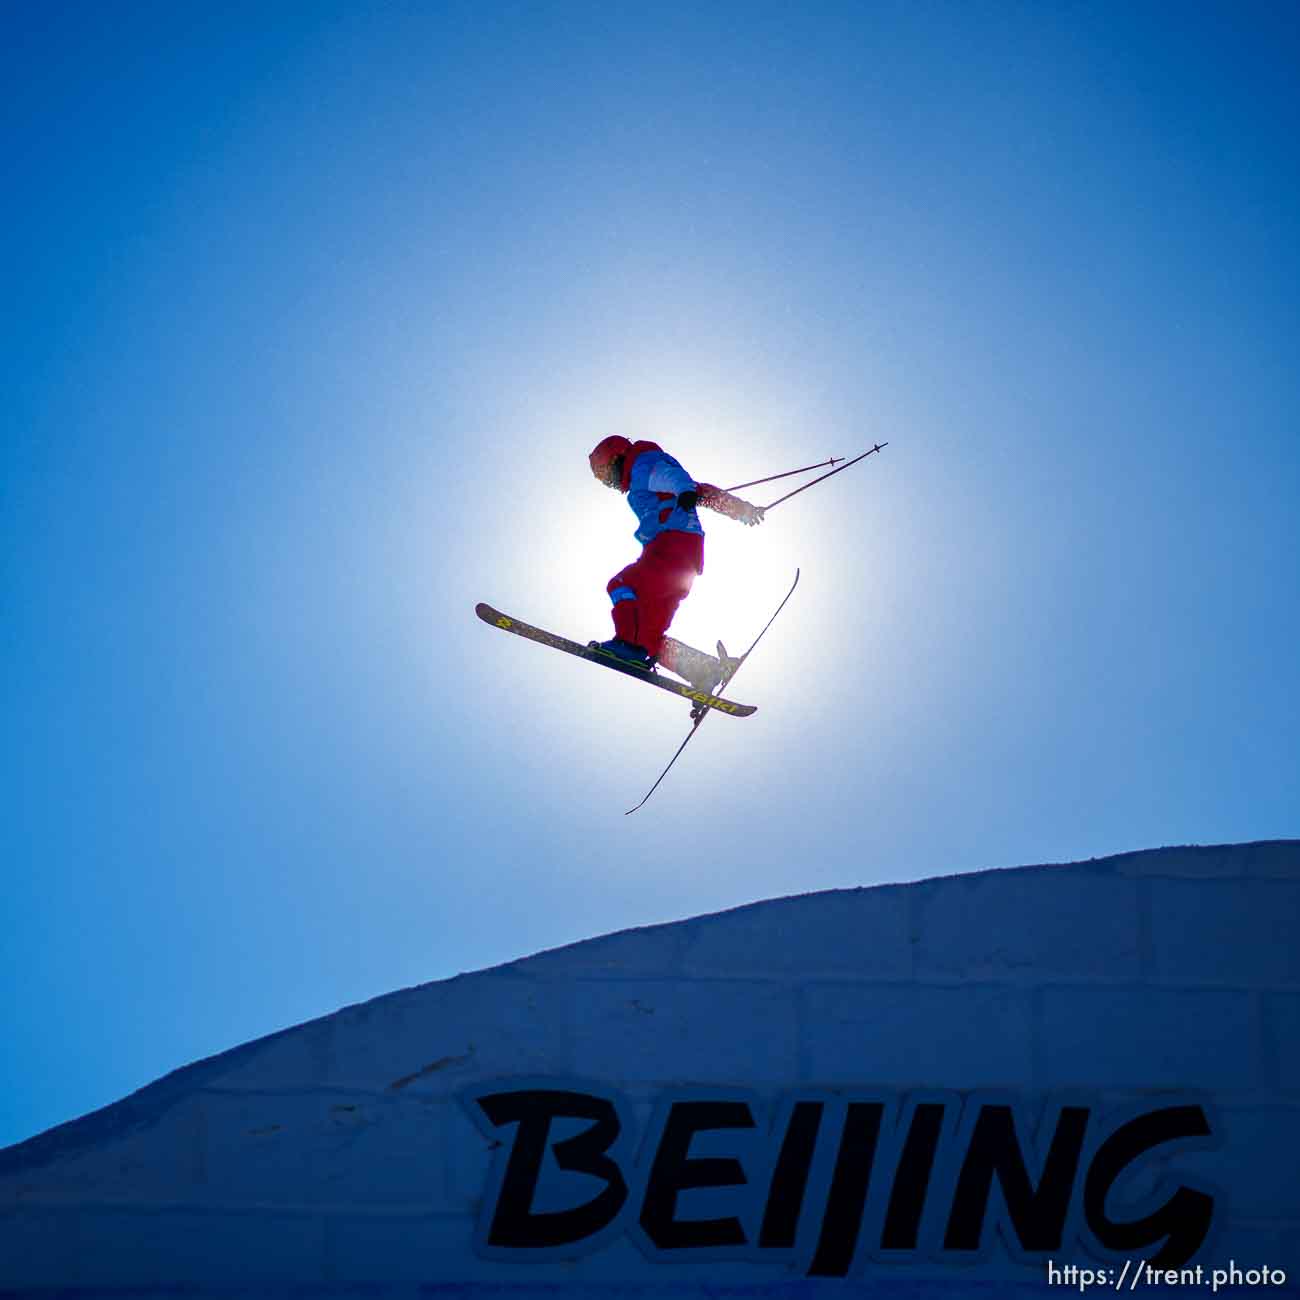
[646,593]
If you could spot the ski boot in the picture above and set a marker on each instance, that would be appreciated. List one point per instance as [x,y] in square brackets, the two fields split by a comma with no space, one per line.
[703,671]
[627,654]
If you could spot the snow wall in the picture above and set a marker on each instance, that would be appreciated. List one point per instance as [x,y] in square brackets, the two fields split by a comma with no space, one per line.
[995,1084]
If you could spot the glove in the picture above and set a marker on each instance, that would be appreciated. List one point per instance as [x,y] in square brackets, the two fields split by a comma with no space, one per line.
[752,515]
[686,500]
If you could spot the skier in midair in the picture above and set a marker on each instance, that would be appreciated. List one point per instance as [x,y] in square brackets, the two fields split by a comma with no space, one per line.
[646,593]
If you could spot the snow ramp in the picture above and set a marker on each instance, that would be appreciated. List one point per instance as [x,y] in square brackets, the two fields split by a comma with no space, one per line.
[1080,1077]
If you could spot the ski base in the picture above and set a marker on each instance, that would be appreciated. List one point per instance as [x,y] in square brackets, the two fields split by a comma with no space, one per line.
[701,700]
[698,715]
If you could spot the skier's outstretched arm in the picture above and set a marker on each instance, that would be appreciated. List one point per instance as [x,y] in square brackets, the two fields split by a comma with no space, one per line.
[725,503]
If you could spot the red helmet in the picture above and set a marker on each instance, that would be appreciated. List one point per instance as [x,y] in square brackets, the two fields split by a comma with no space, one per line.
[606,452]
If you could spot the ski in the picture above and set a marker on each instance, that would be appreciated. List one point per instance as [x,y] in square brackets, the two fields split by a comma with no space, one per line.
[698,714]
[700,700]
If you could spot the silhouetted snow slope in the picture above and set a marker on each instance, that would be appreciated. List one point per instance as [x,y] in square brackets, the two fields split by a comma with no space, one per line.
[934,1089]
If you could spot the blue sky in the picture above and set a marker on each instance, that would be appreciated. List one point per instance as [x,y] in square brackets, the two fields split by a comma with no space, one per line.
[313,319]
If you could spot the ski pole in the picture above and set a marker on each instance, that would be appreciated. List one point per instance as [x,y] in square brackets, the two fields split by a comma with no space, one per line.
[815,481]
[754,482]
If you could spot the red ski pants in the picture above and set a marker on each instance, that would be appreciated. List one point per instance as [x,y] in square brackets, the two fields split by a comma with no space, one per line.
[646,593]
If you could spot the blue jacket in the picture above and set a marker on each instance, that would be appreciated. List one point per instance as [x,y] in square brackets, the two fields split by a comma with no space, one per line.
[654,480]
